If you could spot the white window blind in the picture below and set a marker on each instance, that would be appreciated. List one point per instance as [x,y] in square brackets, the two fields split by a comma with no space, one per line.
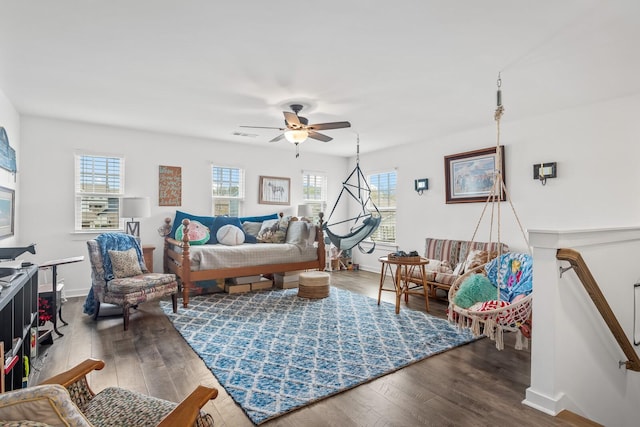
[314,192]
[99,185]
[227,190]
[383,194]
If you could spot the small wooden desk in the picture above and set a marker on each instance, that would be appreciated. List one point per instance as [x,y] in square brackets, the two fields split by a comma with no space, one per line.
[53,264]
[403,269]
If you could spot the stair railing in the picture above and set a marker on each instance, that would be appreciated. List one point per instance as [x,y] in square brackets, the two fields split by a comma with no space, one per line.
[591,286]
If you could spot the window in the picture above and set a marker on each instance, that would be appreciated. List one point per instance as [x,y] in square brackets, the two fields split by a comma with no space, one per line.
[314,192]
[383,194]
[227,186]
[99,187]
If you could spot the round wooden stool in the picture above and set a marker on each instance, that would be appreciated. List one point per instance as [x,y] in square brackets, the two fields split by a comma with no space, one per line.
[313,284]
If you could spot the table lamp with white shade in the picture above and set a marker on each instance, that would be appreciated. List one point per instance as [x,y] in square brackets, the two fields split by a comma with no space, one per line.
[304,212]
[135,207]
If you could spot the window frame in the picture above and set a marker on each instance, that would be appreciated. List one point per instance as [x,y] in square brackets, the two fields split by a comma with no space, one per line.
[239,199]
[317,204]
[83,195]
[376,235]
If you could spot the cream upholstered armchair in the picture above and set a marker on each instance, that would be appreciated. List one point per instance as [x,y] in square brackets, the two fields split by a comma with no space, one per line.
[67,400]
[119,276]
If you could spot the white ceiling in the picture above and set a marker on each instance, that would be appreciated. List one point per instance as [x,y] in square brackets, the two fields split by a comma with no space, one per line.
[400,72]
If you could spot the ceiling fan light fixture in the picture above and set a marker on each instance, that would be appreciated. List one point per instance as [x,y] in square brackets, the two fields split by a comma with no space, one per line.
[296,136]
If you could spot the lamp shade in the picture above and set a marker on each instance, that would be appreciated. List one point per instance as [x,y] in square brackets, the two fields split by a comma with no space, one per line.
[296,136]
[136,207]
[304,211]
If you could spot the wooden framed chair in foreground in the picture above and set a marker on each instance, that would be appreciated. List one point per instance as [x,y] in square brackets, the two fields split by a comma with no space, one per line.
[67,399]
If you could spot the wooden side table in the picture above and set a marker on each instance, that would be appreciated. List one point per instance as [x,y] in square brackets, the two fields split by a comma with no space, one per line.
[401,286]
[147,254]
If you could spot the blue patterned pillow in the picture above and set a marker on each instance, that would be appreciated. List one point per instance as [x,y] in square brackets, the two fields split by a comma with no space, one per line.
[516,274]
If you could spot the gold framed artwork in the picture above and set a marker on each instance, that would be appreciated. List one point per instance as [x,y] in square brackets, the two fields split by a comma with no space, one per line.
[274,190]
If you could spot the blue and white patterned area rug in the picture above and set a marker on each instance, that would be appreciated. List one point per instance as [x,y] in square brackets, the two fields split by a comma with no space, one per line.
[274,352]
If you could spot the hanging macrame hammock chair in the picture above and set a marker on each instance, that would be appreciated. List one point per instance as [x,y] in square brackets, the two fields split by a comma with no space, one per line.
[493,318]
[365,222]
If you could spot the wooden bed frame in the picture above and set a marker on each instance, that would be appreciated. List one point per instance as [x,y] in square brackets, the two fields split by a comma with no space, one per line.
[179,263]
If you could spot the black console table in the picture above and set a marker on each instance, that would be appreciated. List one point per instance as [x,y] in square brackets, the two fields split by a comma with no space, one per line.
[53,265]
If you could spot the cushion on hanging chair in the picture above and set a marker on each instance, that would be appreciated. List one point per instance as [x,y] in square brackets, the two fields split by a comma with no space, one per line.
[349,241]
[506,317]
[475,288]
[515,272]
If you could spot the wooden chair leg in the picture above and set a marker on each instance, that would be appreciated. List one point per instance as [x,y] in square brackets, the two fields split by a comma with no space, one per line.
[174,301]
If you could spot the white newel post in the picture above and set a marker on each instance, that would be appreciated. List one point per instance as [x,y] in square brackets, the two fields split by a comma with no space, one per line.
[543,394]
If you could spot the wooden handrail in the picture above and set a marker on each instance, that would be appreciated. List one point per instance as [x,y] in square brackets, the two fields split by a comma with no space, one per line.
[591,286]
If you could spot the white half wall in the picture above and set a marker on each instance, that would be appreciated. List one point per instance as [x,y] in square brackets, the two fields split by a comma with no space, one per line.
[48,182]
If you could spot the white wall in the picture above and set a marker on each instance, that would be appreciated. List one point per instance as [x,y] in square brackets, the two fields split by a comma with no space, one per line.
[47,181]
[10,121]
[597,153]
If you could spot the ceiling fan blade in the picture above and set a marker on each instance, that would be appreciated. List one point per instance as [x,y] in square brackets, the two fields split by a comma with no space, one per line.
[292,120]
[332,125]
[278,138]
[261,127]
[319,136]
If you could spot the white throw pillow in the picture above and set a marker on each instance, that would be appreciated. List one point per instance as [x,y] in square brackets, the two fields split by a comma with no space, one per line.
[298,233]
[230,235]
[439,266]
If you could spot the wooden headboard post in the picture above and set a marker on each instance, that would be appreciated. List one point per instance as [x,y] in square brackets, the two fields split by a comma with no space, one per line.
[322,254]
[165,257]
[186,264]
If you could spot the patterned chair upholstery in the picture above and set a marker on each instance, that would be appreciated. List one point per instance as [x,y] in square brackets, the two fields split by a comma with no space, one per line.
[67,399]
[124,291]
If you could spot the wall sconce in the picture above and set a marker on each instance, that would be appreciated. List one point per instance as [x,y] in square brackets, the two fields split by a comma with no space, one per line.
[421,184]
[542,171]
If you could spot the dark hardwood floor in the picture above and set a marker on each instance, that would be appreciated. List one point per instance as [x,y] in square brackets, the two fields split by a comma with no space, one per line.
[472,385]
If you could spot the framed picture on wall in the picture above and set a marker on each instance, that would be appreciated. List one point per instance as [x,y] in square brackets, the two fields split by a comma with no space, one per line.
[274,190]
[7,211]
[470,176]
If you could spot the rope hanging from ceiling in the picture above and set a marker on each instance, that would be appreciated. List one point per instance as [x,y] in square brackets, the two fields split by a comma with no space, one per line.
[494,317]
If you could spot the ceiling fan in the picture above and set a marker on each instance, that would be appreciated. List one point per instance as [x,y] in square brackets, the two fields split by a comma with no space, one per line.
[297,128]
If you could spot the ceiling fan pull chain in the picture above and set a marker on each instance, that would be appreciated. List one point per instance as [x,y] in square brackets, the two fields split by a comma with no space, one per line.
[297,150]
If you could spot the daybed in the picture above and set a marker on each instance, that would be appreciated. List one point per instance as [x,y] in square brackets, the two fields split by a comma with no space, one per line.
[449,259]
[193,263]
